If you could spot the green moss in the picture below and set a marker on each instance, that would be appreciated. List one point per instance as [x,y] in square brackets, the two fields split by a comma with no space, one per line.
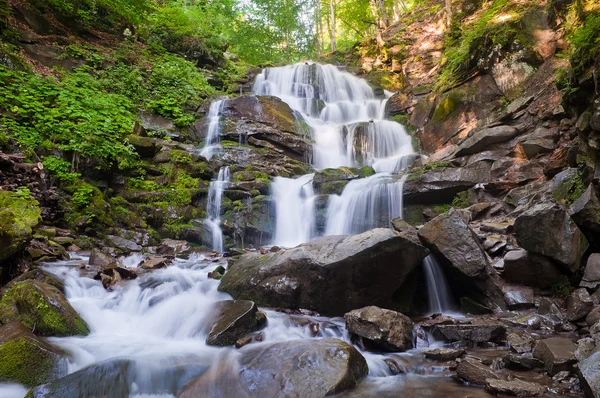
[447,107]
[25,362]
[569,190]
[426,168]
[562,288]
[366,171]
[180,157]
[19,213]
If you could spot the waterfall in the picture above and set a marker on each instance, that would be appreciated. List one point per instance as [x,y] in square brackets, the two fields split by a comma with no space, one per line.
[213,138]
[213,207]
[348,129]
[440,301]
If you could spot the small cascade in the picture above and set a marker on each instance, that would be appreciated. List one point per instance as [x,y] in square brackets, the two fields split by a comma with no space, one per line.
[213,208]
[213,132]
[440,301]
[348,128]
[294,209]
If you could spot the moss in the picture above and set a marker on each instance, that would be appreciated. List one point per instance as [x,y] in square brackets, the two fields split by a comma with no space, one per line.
[440,209]
[19,214]
[25,362]
[180,157]
[41,308]
[366,171]
[569,190]
[333,187]
[447,107]
[562,288]
[426,168]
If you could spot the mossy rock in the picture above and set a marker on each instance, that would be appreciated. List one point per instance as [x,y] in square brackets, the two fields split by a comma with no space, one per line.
[42,308]
[18,216]
[447,107]
[27,359]
[40,276]
[333,187]
[146,147]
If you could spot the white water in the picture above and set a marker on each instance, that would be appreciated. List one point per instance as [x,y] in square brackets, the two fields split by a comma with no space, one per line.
[213,207]
[213,133]
[440,301]
[348,129]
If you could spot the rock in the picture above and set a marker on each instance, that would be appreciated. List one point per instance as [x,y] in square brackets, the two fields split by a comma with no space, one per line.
[171,247]
[522,362]
[469,333]
[331,275]
[40,276]
[557,354]
[449,236]
[579,304]
[585,348]
[535,146]
[589,370]
[591,276]
[155,263]
[514,387]
[42,308]
[593,317]
[46,251]
[386,329]
[297,368]
[234,319]
[124,244]
[530,269]
[18,217]
[101,259]
[113,274]
[482,139]
[26,358]
[64,240]
[547,229]
[474,372]
[585,211]
[444,354]
[518,297]
[146,147]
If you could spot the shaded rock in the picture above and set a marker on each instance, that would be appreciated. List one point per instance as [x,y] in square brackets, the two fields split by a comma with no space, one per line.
[64,240]
[593,317]
[522,362]
[42,308]
[482,139]
[530,269]
[591,276]
[331,275]
[585,347]
[124,244]
[589,371]
[579,304]
[113,274]
[444,354]
[474,372]
[42,251]
[585,211]
[386,329]
[518,297]
[27,359]
[155,263]
[547,229]
[469,333]
[40,276]
[146,147]
[535,146]
[514,387]
[234,319]
[557,354]
[297,368]
[99,258]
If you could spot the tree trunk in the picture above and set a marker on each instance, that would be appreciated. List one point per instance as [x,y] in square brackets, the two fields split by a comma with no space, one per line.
[332,32]
[383,13]
[448,12]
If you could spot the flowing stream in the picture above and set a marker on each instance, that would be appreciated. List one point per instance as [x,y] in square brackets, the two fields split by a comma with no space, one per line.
[213,207]
[438,292]
[348,128]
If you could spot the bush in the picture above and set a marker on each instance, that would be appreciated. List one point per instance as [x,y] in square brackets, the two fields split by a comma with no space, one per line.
[585,43]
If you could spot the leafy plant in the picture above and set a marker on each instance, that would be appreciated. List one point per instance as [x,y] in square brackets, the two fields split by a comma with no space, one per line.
[83,196]
[61,169]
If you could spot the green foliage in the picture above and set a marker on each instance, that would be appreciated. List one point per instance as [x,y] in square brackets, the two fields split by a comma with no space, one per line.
[585,43]
[569,190]
[60,169]
[83,196]
[562,288]
[426,168]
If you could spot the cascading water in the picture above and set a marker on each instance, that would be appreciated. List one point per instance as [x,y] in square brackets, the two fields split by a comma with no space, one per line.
[213,207]
[213,139]
[348,127]
[440,301]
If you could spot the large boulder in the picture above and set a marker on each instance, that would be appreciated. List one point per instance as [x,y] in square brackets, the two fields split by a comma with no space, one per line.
[591,276]
[297,368]
[42,308]
[589,371]
[530,269]
[472,334]
[18,216]
[234,319]
[474,372]
[386,329]
[331,275]
[557,354]
[27,359]
[585,211]
[579,304]
[547,229]
[515,387]
[482,139]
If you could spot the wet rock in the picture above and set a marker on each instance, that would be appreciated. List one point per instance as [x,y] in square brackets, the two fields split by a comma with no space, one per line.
[518,297]
[585,211]
[547,229]
[386,329]
[557,354]
[102,259]
[514,387]
[394,366]
[26,358]
[522,362]
[589,371]
[155,263]
[482,139]
[444,354]
[113,274]
[331,275]
[46,251]
[474,372]
[579,304]
[171,247]
[124,244]
[41,308]
[530,269]
[297,368]
[520,343]
[234,319]
[591,276]
[469,333]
